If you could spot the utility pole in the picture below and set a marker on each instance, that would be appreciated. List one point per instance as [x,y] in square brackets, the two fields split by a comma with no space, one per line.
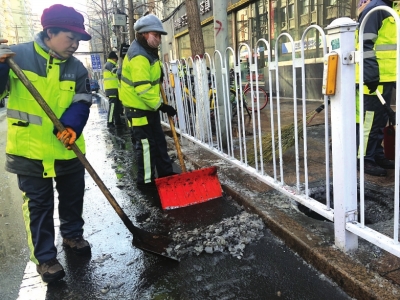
[107,29]
[116,28]
[123,28]
[16,35]
[221,43]
[130,21]
[103,37]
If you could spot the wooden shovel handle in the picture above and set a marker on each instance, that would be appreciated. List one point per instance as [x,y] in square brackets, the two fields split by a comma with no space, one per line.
[171,124]
[43,104]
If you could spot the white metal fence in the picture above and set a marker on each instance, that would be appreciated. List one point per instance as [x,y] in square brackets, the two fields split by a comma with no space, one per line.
[209,91]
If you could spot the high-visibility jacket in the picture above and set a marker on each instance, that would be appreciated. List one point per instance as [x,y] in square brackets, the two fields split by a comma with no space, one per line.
[110,78]
[380,42]
[30,131]
[140,79]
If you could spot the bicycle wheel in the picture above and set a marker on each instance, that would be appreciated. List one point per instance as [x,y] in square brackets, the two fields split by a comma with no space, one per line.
[250,102]
[233,101]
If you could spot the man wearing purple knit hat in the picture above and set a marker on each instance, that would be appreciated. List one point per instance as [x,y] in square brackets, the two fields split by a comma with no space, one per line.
[37,152]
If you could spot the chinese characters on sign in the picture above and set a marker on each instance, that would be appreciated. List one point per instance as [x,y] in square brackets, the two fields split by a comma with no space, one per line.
[180,22]
[96,63]
[205,6]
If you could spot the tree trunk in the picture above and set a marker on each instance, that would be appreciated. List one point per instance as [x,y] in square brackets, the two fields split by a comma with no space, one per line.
[194,26]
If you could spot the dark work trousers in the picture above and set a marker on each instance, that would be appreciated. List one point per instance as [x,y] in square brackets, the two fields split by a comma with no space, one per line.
[114,111]
[150,145]
[38,209]
[375,120]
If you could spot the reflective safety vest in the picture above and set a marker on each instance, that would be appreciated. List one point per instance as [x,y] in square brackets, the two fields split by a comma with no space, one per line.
[140,79]
[110,78]
[384,50]
[30,130]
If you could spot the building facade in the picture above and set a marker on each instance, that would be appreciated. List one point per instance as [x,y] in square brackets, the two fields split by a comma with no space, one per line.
[251,20]
[18,24]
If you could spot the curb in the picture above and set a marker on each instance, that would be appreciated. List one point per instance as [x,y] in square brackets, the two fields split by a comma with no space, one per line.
[300,233]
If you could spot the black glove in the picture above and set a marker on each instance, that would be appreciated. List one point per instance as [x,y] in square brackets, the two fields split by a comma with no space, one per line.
[165,108]
[372,86]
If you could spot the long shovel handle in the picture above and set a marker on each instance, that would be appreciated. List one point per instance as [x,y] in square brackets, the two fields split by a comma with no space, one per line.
[389,110]
[17,70]
[171,124]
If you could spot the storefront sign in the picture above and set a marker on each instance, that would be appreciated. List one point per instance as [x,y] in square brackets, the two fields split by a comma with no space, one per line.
[180,22]
[205,6]
[309,44]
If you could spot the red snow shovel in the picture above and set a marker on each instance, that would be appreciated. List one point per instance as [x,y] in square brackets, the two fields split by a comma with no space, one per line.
[187,188]
[142,239]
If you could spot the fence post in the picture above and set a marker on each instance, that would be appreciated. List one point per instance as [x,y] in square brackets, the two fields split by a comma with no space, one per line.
[178,96]
[341,40]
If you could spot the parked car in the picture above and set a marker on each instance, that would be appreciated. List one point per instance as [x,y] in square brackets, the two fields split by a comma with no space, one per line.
[94,85]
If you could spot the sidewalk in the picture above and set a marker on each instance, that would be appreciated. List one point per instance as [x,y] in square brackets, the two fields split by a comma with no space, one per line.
[369,273]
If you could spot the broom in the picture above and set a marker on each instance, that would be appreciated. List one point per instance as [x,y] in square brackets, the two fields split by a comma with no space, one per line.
[287,135]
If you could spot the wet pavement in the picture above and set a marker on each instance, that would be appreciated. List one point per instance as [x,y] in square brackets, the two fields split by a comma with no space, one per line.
[267,268]
[13,249]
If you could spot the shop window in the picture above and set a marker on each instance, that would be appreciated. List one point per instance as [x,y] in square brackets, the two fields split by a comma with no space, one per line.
[184,46]
[208,36]
[304,5]
[313,5]
[291,11]
[242,26]
[283,15]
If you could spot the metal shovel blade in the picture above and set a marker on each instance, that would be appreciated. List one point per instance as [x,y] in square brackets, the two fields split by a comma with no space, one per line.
[151,242]
[189,188]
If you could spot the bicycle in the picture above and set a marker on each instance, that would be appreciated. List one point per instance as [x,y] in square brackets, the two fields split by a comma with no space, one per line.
[249,98]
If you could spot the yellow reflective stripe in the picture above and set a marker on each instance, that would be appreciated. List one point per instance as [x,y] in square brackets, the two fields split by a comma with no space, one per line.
[82,97]
[110,78]
[145,91]
[137,83]
[23,116]
[366,90]
[385,47]
[27,220]
[369,119]
[146,161]
[139,121]
[369,54]
[111,113]
[126,80]
[369,36]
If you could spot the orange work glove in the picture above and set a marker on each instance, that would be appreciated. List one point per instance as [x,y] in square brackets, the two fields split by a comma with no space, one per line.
[67,137]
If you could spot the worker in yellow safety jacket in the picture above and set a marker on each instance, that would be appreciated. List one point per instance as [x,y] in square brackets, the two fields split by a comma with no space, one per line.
[37,152]
[110,79]
[380,42]
[140,95]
